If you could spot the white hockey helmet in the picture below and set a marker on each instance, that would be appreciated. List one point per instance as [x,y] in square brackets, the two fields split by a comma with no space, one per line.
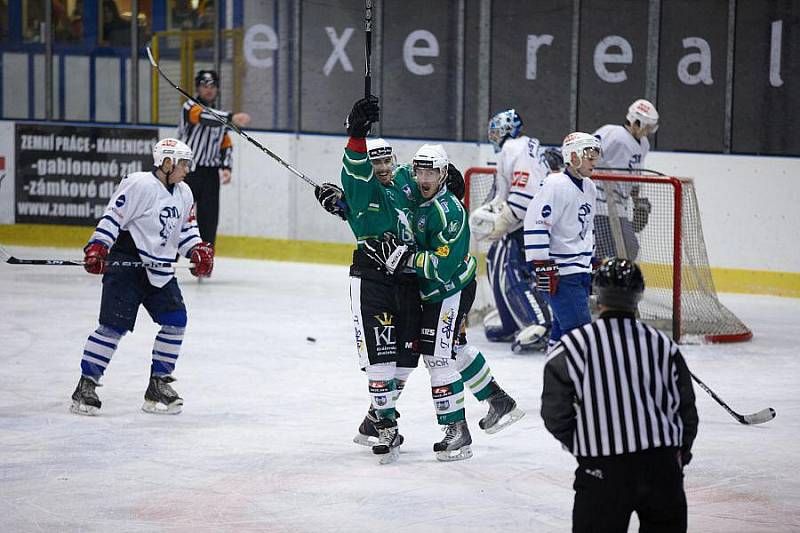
[432,156]
[644,112]
[170,148]
[503,125]
[578,143]
[378,149]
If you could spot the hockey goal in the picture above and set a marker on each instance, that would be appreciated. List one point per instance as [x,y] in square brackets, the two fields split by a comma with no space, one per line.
[664,238]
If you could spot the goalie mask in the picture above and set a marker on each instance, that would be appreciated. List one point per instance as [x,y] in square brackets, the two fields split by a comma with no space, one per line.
[171,149]
[643,112]
[430,168]
[503,125]
[581,144]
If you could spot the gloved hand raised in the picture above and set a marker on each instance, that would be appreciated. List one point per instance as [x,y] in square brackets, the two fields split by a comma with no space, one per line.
[202,256]
[329,197]
[364,113]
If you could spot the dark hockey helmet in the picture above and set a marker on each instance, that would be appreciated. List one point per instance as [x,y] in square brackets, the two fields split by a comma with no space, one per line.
[554,159]
[619,284]
[206,77]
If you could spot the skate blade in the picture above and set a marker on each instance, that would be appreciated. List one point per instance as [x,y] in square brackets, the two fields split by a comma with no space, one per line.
[83,409]
[157,408]
[391,457]
[465,452]
[506,420]
[365,440]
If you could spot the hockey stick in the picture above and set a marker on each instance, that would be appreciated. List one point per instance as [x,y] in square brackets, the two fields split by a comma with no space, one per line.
[231,125]
[368,49]
[765,415]
[11,260]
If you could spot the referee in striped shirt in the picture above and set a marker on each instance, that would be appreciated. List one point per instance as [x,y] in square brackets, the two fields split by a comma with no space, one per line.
[212,149]
[618,395]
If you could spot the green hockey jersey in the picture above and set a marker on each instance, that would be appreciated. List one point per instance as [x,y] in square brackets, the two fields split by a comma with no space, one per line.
[443,262]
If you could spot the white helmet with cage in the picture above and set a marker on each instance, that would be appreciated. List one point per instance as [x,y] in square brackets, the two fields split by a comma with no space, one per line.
[170,148]
[645,113]
[505,124]
[578,143]
[432,156]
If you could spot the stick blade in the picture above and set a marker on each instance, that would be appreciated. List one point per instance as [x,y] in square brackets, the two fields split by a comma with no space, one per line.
[765,415]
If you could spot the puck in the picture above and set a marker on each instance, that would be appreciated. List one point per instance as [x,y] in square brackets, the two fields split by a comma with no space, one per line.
[311,339]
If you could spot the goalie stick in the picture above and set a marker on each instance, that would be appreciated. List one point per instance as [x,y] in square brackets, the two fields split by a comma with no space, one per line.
[765,415]
[11,260]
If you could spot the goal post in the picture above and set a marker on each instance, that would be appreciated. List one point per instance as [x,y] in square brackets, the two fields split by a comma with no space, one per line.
[654,220]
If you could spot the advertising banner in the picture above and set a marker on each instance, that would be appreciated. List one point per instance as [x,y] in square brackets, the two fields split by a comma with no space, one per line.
[66,174]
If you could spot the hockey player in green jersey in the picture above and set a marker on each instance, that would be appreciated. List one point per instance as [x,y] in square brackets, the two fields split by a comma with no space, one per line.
[446,271]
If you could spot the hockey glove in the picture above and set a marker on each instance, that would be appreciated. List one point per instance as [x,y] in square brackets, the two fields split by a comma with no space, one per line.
[364,113]
[455,182]
[546,276]
[202,256]
[94,259]
[641,213]
[389,252]
[329,197]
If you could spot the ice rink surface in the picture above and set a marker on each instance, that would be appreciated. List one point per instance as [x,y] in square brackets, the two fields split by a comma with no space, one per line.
[264,441]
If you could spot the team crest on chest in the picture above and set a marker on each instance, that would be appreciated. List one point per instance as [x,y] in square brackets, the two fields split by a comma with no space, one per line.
[168,217]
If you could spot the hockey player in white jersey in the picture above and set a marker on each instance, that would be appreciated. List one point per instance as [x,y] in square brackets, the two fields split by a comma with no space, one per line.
[147,219]
[624,147]
[523,315]
[559,234]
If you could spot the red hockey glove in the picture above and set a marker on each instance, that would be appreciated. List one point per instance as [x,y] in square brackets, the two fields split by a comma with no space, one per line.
[546,276]
[202,256]
[94,259]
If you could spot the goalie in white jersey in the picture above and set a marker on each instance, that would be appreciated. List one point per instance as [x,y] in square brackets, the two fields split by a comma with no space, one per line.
[559,234]
[520,315]
[148,219]
[624,147]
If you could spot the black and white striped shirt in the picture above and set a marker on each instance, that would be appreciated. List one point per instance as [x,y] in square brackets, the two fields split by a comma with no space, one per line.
[206,136]
[618,386]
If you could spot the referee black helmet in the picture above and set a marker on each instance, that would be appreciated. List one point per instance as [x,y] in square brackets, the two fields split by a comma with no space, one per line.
[206,77]
[619,284]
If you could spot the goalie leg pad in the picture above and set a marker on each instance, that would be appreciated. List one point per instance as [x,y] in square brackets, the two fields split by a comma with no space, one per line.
[98,350]
[496,260]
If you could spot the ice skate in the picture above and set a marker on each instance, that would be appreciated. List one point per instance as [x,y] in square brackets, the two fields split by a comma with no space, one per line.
[503,411]
[389,441]
[160,398]
[85,400]
[455,444]
[367,434]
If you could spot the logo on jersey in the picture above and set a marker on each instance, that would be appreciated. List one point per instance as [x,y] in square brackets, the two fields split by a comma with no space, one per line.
[421,223]
[583,213]
[358,335]
[520,179]
[453,226]
[380,400]
[404,230]
[448,325]
[385,319]
[546,211]
[120,200]
[443,251]
[443,203]
[443,405]
[635,162]
[168,217]
[384,334]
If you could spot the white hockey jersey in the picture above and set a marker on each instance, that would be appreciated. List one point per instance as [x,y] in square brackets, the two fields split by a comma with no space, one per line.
[559,224]
[157,219]
[521,169]
[621,150]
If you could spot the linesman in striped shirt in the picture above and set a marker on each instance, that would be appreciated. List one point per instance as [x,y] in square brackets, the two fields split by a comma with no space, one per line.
[618,395]
[212,148]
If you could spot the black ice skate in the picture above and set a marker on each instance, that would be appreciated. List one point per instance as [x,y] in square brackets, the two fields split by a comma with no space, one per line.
[160,398]
[85,400]
[503,411]
[389,441]
[367,433]
[455,444]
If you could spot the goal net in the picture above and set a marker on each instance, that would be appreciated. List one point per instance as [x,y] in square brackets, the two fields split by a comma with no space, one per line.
[654,220]
[479,190]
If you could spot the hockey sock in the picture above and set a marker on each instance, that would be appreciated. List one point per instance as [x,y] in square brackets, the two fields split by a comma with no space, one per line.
[383,389]
[475,372]
[97,351]
[166,348]
[448,401]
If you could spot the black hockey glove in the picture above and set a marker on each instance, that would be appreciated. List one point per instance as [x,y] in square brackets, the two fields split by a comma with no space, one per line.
[329,197]
[364,113]
[389,252]
[641,213]
[455,182]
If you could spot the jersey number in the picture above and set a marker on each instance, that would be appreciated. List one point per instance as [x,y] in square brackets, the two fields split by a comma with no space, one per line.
[520,179]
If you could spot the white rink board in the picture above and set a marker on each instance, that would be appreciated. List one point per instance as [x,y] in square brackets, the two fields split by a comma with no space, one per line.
[264,444]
